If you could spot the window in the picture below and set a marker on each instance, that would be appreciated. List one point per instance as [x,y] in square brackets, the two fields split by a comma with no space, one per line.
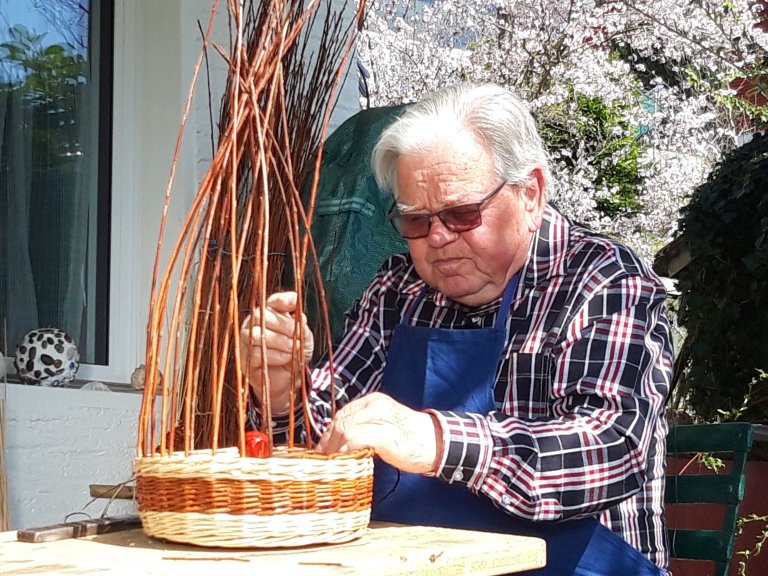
[55,170]
[136,61]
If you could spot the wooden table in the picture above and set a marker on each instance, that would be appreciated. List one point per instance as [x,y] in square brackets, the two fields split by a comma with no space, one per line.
[385,550]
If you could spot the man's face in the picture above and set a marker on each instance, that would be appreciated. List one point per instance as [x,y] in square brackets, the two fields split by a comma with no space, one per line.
[471,267]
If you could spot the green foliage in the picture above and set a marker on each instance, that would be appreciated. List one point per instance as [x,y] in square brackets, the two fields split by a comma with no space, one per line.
[760,540]
[739,107]
[49,73]
[589,127]
[710,461]
[724,289]
[50,80]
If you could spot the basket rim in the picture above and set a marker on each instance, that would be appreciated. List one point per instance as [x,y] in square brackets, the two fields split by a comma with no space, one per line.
[228,464]
[279,452]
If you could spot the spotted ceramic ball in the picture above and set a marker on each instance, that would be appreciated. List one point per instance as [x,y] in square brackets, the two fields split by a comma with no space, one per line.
[47,357]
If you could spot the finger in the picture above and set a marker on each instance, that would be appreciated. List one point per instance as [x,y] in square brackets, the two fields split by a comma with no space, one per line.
[351,429]
[274,349]
[279,315]
[322,444]
[340,443]
[280,389]
[281,322]
[271,358]
[283,302]
[336,444]
[332,440]
[248,341]
[270,319]
[274,337]
[309,339]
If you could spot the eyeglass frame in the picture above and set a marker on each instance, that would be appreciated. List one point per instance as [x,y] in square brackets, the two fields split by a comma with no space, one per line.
[393,213]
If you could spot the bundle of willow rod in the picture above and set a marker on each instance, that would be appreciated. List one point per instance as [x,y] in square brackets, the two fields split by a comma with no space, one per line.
[246,224]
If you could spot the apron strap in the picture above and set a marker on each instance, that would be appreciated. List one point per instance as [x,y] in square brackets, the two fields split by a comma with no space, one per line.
[506,300]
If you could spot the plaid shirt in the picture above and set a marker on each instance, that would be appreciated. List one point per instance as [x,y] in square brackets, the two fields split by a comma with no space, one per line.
[579,427]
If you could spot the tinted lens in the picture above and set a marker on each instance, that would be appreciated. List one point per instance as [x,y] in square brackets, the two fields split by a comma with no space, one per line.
[413,225]
[456,219]
[462,218]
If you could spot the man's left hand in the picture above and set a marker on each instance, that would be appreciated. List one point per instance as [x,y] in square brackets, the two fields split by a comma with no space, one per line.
[404,438]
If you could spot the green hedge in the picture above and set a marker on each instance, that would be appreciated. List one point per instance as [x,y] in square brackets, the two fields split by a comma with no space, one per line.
[724,289]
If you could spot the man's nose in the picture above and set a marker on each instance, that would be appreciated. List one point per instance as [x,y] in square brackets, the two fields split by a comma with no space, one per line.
[439,234]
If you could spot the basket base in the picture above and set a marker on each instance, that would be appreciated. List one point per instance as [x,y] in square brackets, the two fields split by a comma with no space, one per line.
[252,531]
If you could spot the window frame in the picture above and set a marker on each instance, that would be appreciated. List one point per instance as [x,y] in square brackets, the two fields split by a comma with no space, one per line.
[107,28]
[122,256]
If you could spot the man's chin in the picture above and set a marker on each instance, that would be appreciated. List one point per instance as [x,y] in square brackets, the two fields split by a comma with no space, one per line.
[461,291]
[458,291]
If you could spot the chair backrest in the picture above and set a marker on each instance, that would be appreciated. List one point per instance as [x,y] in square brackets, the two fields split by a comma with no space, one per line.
[725,489]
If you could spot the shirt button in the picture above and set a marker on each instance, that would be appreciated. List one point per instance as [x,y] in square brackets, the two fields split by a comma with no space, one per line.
[458,476]
[506,500]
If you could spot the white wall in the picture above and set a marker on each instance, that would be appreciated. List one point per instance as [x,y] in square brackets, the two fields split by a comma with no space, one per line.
[58,441]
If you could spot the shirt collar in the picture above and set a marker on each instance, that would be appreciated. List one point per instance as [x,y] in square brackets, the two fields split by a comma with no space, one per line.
[547,256]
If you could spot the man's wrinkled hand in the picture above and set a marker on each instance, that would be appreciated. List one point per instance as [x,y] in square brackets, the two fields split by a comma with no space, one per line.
[404,438]
[269,339]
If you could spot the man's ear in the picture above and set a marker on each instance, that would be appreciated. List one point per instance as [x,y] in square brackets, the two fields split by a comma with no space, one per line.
[534,198]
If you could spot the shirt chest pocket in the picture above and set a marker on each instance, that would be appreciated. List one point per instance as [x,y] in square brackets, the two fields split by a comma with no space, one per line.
[528,385]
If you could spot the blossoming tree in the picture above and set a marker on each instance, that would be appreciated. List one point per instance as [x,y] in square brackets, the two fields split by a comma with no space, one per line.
[632,97]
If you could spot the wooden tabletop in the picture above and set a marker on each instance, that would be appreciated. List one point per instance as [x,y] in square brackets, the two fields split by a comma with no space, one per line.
[385,550]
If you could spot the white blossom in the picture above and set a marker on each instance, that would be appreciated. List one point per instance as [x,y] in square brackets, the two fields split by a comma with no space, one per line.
[549,50]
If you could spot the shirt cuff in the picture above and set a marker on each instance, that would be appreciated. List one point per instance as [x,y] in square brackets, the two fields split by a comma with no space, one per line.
[467,449]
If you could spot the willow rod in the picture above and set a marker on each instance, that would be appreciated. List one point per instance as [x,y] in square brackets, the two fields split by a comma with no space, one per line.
[245,222]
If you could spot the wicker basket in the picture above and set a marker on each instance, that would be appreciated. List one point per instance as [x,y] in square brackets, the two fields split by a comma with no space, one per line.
[294,498]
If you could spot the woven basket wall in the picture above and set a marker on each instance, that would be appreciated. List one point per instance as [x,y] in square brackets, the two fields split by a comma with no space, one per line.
[294,498]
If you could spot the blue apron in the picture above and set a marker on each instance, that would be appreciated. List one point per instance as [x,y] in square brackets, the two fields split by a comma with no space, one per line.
[455,369]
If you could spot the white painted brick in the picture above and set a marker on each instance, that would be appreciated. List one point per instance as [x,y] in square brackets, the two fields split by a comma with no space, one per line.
[58,441]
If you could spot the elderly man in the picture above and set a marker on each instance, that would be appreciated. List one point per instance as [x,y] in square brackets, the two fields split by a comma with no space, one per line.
[511,370]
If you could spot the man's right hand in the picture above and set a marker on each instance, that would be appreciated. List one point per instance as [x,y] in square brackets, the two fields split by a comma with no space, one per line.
[274,347]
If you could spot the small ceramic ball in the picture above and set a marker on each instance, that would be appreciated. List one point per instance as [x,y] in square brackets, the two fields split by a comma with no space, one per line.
[47,357]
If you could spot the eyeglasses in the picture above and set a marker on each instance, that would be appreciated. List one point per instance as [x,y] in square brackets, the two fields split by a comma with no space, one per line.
[456,218]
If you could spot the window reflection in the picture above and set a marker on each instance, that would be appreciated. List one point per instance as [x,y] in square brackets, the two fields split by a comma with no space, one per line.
[55,58]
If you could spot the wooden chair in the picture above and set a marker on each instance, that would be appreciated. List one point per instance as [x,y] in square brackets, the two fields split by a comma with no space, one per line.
[724,489]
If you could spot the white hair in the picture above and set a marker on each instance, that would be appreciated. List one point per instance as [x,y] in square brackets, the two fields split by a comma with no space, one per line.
[499,120]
